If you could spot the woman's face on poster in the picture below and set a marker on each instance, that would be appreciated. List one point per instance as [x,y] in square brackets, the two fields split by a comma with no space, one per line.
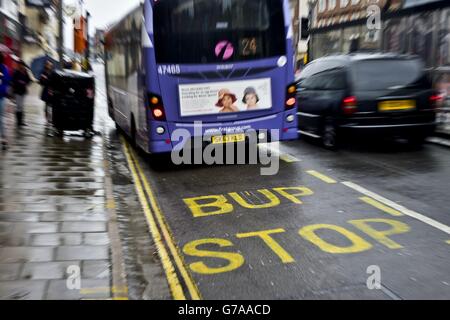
[227,101]
[251,100]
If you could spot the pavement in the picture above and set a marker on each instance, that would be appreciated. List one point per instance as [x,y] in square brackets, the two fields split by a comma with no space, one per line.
[57,219]
[370,221]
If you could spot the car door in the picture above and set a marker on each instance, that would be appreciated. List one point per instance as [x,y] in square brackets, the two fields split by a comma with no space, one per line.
[308,93]
[318,97]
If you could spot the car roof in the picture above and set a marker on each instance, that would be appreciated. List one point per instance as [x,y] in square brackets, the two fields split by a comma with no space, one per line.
[347,59]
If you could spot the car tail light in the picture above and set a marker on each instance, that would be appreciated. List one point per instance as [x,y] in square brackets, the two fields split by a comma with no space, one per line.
[349,105]
[291,99]
[436,100]
[157,107]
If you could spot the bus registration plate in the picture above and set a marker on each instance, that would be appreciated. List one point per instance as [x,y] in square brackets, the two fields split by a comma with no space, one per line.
[229,138]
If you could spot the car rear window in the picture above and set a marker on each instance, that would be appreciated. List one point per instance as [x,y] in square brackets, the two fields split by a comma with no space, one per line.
[372,75]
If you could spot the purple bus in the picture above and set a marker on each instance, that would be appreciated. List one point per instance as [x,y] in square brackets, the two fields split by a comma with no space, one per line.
[228,64]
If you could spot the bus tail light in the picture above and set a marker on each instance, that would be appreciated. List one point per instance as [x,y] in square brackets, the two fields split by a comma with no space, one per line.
[291,99]
[349,105]
[157,107]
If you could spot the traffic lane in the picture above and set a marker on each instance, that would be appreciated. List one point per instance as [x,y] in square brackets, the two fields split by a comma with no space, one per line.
[298,268]
[417,178]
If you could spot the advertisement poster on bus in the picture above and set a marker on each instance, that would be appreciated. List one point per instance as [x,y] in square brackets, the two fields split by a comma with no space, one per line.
[225,97]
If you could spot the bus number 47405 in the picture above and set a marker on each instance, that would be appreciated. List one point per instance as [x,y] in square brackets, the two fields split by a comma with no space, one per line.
[169,69]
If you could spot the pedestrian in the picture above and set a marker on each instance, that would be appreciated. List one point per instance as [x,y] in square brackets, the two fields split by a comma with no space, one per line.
[4,84]
[76,66]
[44,81]
[20,82]
[86,66]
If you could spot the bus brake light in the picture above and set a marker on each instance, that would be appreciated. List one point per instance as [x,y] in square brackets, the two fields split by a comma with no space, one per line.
[157,107]
[291,98]
[158,113]
[290,102]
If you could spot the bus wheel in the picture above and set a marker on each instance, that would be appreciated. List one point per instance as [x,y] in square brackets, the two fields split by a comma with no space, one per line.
[133,132]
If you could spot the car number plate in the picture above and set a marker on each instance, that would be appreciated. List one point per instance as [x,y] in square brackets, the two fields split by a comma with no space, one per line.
[397,105]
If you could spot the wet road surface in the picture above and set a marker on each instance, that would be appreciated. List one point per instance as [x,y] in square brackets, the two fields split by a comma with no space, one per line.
[304,233]
[329,225]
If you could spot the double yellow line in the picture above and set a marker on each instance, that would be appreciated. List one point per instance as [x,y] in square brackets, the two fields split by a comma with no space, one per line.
[180,282]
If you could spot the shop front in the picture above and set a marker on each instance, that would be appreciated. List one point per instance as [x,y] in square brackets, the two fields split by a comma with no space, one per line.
[10,37]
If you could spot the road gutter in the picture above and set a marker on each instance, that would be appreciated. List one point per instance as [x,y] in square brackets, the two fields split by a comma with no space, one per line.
[119,287]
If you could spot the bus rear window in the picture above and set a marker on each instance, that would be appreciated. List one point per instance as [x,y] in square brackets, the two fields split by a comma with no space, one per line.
[217,31]
[373,75]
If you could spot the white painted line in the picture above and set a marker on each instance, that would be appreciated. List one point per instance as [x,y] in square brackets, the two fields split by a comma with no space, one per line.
[398,207]
[443,142]
[315,136]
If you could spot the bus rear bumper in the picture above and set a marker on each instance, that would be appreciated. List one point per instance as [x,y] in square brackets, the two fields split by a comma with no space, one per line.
[160,147]
[276,126]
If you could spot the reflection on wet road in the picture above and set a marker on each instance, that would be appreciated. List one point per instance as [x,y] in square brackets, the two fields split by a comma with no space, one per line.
[367,222]
[315,230]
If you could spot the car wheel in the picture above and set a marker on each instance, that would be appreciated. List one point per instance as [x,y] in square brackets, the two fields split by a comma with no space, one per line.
[329,136]
[417,140]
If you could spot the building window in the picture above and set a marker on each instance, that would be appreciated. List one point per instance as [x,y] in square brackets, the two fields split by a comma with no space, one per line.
[355,2]
[344,3]
[322,5]
[331,4]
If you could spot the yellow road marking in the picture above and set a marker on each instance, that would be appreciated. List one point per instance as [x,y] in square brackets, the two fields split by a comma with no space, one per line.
[120,290]
[358,244]
[193,290]
[108,299]
[381,206]
[321,176]
[110,204]
[270,242]
[235,260]
[172,278]
[289,158]
[396,227]
[402,209]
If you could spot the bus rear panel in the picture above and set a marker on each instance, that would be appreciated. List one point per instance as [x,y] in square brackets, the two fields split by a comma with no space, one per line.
[225,64]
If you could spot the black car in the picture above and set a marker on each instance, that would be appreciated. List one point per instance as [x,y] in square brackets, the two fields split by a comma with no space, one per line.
[387,95]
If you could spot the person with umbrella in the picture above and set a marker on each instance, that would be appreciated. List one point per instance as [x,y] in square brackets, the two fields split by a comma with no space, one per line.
[4,83]
[20,82]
